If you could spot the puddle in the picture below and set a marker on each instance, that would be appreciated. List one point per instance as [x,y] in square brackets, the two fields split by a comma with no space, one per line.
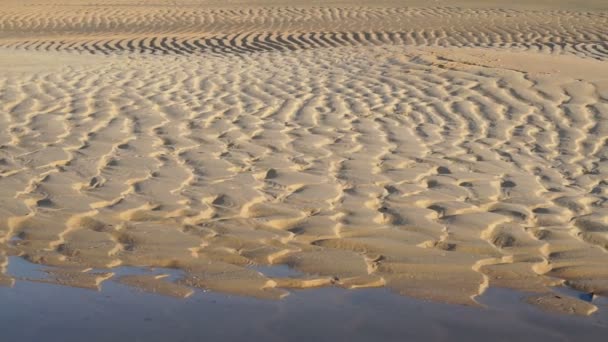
[14,240]
[32,311]
[22,269]
[277,271]
[568,291]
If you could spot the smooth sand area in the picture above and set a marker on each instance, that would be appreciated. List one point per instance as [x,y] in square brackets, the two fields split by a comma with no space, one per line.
[438,150]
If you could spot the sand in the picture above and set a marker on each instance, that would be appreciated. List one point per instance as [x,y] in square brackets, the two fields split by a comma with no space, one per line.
[436,151]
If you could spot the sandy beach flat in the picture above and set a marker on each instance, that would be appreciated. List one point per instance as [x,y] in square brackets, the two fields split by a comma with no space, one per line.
[434,148]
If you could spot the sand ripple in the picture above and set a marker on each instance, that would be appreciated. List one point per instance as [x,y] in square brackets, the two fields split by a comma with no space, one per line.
[187,30]
[408,167]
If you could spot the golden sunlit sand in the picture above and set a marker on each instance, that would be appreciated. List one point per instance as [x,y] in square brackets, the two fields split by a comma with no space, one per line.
[437,150]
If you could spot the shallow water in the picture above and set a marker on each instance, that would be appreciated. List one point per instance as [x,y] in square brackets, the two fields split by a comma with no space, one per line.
[32,311]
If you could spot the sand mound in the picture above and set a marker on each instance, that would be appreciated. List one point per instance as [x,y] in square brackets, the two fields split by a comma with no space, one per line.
[359,155]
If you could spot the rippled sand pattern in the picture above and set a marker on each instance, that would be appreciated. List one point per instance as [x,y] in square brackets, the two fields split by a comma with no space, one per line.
[361,156]
[187,30]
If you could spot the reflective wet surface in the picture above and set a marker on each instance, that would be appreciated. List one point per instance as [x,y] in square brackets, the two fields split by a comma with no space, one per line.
[33,311]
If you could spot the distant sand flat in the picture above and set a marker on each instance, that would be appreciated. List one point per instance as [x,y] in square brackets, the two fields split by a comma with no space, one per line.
[437,151]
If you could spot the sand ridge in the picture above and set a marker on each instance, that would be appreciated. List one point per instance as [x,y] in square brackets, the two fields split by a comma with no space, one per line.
[187,30]
[423,166]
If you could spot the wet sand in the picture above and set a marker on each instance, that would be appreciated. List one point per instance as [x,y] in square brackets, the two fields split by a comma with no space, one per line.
[34,311]
[437,151]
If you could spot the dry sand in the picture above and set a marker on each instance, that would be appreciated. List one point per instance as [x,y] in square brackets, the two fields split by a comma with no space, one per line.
[436,151]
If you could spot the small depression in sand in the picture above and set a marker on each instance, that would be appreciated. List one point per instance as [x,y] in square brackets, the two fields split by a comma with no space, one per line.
[278,156]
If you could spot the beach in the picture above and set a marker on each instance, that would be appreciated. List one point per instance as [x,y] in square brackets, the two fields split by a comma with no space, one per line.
[433,150]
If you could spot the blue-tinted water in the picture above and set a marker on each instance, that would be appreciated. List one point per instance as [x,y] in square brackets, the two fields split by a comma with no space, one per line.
[32,311]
